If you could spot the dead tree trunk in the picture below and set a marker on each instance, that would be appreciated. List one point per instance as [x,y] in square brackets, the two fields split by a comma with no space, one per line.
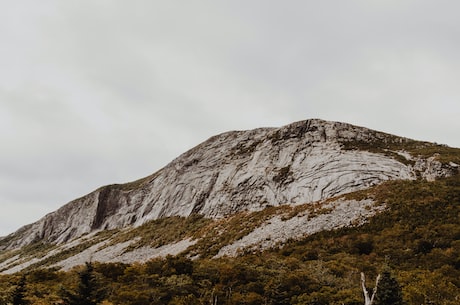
[369,300]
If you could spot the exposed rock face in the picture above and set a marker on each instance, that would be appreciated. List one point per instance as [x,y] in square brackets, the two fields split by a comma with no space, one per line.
[431,168]
[235,171]
[274,232]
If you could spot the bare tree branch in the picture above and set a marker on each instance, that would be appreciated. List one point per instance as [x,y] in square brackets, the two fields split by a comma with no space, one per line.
[369,300]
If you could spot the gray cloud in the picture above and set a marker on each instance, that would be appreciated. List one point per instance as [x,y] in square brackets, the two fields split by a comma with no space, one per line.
[95,92]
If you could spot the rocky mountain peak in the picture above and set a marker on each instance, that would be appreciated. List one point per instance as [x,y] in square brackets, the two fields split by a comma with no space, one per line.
[232,172]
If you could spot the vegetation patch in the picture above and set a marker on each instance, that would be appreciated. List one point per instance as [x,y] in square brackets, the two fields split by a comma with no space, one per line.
[157,233]
[284,175]
[245,148]
[388,145]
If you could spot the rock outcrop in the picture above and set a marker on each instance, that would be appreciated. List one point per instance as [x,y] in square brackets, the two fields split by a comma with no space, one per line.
[431,168]
[232,172]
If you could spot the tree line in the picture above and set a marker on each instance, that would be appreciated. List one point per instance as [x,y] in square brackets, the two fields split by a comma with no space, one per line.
[91,287]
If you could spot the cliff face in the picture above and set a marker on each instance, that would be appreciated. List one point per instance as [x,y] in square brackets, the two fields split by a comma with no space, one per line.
[233,172]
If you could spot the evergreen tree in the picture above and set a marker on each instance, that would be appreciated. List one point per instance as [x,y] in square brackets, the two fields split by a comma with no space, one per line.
[388,291]
[18,293]
[89,290]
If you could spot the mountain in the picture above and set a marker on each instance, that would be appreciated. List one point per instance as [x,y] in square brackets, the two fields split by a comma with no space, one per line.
[238,191]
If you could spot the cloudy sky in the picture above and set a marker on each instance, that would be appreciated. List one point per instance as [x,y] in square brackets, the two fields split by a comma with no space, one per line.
[99,92]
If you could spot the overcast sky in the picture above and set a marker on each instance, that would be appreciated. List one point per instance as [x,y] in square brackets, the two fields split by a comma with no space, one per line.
[100,92]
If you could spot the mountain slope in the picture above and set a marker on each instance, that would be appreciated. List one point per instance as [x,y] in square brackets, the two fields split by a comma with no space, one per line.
[228,175]
[418,235]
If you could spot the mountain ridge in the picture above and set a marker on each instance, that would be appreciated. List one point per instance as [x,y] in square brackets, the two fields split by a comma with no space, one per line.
[244,171]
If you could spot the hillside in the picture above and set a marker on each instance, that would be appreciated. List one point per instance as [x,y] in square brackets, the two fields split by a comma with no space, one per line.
[418,235]
[236,171]
[312,196]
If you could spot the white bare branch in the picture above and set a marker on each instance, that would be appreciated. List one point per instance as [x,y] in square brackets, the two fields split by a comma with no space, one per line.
[369,300]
